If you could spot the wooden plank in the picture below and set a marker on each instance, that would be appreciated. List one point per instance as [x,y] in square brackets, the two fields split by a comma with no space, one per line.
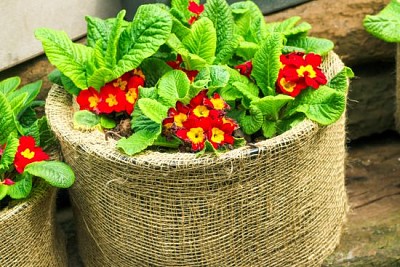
[372,233]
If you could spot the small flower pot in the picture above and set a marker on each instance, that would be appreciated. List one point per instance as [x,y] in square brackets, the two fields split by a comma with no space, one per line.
[29,234]
[280,202]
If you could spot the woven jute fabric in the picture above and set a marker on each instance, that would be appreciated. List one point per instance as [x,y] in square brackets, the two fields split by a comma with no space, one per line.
[279,203]
[29,233]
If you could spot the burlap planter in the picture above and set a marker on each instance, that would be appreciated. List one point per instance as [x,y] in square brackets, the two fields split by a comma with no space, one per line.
[29,236]
[280,203]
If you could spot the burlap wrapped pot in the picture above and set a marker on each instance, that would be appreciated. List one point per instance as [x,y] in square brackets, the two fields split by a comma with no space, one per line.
[29,234]
[279,203]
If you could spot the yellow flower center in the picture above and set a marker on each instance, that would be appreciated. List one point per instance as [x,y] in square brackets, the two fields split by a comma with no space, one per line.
[225,120]
[27,153]
[131,95]
[281,65]
[217,135]
[288,86]
[180,119]
[111,100]
[201,111]
[93,101]
[139,73]
[120,83]
[309,69]
[196,135]
[218,103]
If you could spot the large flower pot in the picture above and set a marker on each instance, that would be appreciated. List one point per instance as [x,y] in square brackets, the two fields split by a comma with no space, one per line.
[29,234]
[281,202]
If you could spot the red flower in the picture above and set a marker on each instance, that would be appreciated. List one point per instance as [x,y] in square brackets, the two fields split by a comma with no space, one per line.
[196,9]
[176,116]
[218,103]
[299,71]
[132,92]
[121,82]
[220,133]
[112,100]
[194,132]
[245,68]
[28,152]
[88,99]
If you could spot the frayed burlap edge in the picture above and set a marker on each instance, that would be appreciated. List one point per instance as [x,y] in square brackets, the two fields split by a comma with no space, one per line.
[283,201]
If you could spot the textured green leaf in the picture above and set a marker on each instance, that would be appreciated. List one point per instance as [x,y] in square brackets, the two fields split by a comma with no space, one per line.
[202,40]
[178,28]
[70,58]
[7,158]
[153,109]
[69,85]
[7,123]
[32,130]
[250,21]
[324,106]
[340,81]
[9,85]
[298,30]
[182,7]
[148,92]
[107,123]
[17,102]
[230,92]
[100,77]
[253,122]
[269,128]
[139,141]
[289,122]
[266,63]
[27,117]
[85,120]
[288,26]
[247,50]
[22,187]
[3,191]
[110,56]
[173,86]
[163,141]
[97,30]
[386,24]
[219,12]
[154,69]
[56,173]
[216,76]
[140,122]
[150,29]
[312,44]
[246,91]
[47,137]
[55,77]
[270,106]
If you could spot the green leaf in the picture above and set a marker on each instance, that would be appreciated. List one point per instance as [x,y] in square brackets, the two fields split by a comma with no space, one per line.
[106,122]
[9,85]
[247,50]
[270,106]
[110,56]
[17,102]
[269,128]
[70,58]
[173,86]
[288,27]
[202,40]
[253,122]
[386,24]
[7,122]
[289,122]
[340,81]
[97,30]
[27,117]
[312,44]
[154,69]
[56,173]
[148,92]
[178,28]
[230,92]
[324,106]
[30,92]
[55,77]
[153,109]
[266,63]
[150,29]
[219,12]
[22,187]
[246,91]
[7,158]
[173,142]
[3,191]
[85,120]
[69,85]
[100,77]
[182,7]
[141,122]
[216,75]
[32,130]
[250,21]
[139,141]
